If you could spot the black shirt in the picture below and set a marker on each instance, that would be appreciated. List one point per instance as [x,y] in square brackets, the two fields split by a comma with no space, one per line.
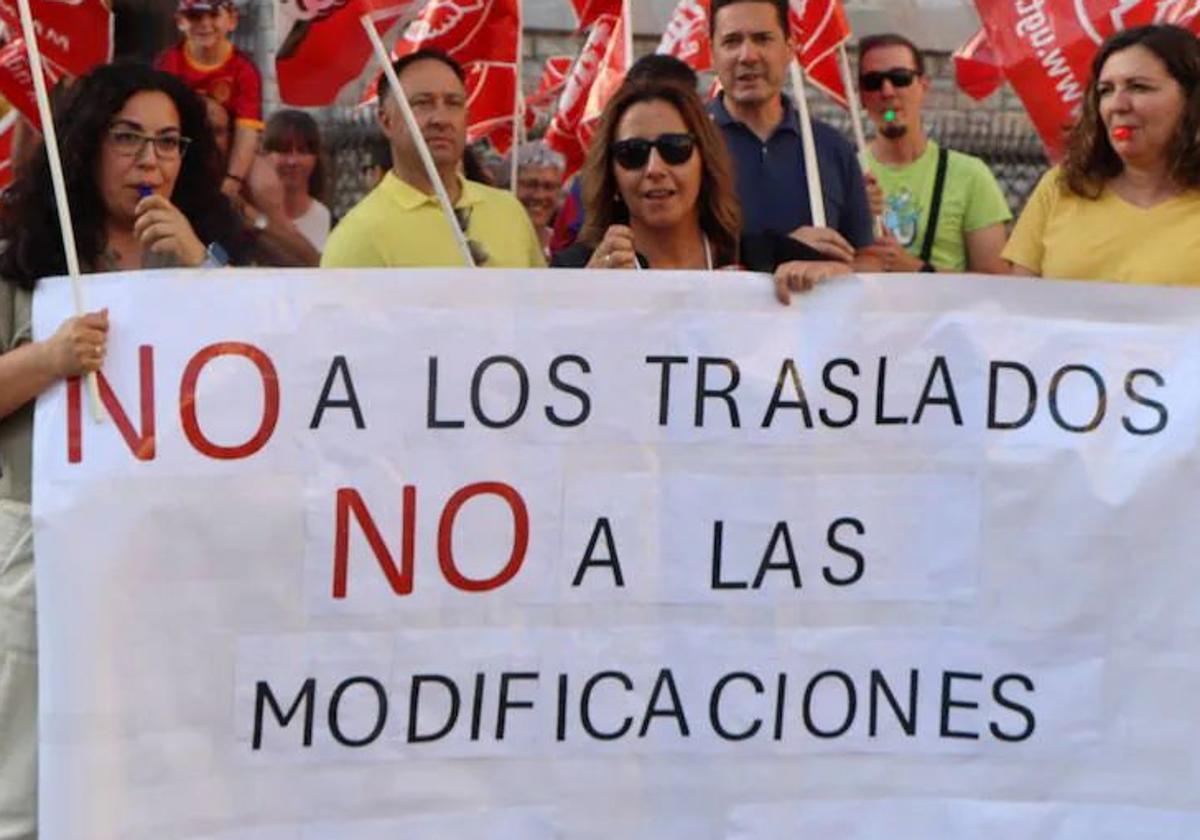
[762,252]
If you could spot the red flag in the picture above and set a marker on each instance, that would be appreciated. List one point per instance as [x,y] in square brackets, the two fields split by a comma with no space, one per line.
[16,80]
[1046,50]
[76,35]
[538,104]
[466,30]
[819,27]
[554,78]
[686,35]
[587,12]
[977,69]
[483,36]
[491,94]
[8,127]
[594,78]
[324,49]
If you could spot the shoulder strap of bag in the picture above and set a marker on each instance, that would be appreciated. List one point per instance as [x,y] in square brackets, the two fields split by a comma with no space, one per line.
[935,206]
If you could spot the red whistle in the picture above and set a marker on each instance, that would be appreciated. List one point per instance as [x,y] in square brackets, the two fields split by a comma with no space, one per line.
[1122,132]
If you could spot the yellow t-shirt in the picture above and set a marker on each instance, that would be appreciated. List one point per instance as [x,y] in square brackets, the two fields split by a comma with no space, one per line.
[1062,235]
[397,225]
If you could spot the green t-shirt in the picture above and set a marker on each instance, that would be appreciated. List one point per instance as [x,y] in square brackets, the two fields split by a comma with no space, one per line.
[972,200]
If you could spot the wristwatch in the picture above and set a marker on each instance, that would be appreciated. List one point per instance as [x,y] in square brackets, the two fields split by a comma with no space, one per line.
[215,256]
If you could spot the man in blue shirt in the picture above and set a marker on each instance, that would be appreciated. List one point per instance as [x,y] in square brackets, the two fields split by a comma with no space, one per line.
[751,51]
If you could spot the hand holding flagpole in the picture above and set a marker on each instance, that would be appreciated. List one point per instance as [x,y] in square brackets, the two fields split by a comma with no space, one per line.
[59,183]
[414,131]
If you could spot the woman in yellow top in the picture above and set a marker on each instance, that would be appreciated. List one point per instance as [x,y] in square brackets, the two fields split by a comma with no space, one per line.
[1125,204]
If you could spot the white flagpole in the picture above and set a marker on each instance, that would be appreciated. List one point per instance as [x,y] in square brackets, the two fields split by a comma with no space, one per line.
[856,122]
[860,138]
[519,96]
[414,131]
[816,195]
[58,181]
[627,12]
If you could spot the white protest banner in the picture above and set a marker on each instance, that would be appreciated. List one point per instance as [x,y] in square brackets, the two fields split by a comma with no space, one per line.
[555,554]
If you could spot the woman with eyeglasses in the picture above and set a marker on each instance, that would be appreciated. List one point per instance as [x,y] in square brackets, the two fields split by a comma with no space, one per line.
[1124,205]
[658,193]
[143,176]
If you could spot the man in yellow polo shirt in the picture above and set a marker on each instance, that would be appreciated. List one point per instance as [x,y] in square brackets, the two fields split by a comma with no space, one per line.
[399,223]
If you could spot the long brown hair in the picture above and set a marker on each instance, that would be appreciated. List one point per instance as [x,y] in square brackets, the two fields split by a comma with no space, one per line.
[1091,160]
[720,213]
[290,128]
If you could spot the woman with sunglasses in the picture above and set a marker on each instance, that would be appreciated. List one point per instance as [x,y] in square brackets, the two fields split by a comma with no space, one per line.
[1124,205]
[658,192]
[135,198]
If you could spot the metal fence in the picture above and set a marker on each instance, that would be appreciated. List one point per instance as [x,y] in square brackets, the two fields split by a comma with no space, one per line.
[997,131]
[1011,150]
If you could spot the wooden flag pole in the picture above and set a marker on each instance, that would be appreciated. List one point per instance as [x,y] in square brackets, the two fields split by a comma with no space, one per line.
[59,183]
[816,194]
[414,131]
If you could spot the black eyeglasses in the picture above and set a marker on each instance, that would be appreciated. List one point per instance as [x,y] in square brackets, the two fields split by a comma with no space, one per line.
[130,143]
[900,77]
[674,149]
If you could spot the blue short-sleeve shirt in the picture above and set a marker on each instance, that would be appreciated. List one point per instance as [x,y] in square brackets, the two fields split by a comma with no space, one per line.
[772,184]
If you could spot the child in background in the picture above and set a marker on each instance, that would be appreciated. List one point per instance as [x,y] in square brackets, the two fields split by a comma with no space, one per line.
[208,62]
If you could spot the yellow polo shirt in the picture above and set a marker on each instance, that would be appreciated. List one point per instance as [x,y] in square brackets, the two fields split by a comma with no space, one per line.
[1064,236]
[398,226]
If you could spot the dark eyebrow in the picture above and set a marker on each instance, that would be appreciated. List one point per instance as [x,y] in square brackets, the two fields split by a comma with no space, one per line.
[137,126]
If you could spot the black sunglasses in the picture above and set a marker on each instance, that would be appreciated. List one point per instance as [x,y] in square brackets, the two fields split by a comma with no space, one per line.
[479,254]
[674,149]
[900,77]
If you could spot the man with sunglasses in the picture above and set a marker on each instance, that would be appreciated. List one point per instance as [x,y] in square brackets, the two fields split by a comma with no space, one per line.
[400,223]
[208,63]
[751,50]
[943,210]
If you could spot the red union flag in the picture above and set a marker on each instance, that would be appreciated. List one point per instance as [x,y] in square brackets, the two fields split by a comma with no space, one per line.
[1046,48]
[76,35]
[324,51]
[552,82]
[483,36]
[597,73]
[818,28]
[1102,18]
[16,80]
[588,12]
[491,98]
[686,35]
[466,30]
[550,85]
[977,70]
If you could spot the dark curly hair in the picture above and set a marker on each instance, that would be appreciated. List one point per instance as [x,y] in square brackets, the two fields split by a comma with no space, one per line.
[1091,160]
[32,241]
[720,213]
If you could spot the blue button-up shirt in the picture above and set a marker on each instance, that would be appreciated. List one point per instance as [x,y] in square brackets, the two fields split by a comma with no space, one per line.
[771,180]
